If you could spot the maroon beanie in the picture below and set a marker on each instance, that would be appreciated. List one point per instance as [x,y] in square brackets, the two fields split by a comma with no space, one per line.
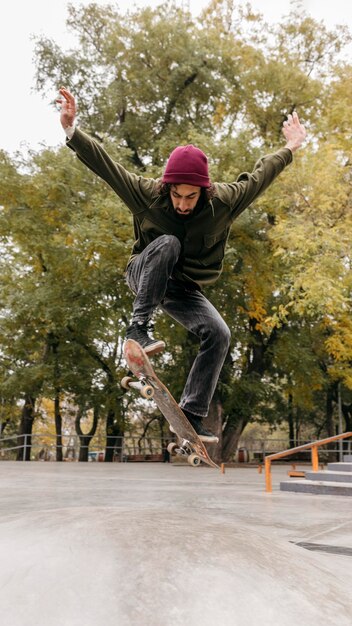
[187,165]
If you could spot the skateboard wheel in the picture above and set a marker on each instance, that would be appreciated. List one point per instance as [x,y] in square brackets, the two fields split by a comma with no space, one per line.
[125,382]
[193,459]
[147,391]
[171,447]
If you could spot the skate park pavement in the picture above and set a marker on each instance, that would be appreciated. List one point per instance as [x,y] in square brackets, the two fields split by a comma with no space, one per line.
[153,544]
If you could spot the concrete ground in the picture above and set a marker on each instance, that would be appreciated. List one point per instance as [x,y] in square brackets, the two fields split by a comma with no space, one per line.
[168,544]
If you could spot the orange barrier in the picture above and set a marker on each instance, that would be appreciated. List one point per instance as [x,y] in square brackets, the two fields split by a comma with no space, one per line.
[313,446]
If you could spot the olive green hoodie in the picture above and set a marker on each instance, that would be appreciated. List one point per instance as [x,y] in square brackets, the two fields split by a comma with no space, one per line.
[204,234]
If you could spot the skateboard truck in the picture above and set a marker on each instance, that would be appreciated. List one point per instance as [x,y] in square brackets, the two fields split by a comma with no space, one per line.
[184,448]
[145,389]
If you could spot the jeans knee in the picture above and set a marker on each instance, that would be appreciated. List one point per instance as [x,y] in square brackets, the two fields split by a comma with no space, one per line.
[169,245]
[167,249]
[221,334]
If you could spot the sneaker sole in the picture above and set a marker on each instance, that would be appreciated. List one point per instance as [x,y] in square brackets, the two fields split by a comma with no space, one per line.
[205,438]
[154,348]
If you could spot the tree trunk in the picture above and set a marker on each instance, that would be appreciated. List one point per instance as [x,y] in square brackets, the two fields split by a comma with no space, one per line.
[84,449]
[231,437]
[58,427]
[298,424]
[291,424]
[85,438]
[330,428]
[3,426]
[114,426]
[165,440]
[3,420]
[24,438]
[347,413]
[114,435]
[258,360]
[54,344]
[330,425]
[214,423]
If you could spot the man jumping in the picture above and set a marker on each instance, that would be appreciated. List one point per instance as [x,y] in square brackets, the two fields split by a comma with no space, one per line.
[181,224]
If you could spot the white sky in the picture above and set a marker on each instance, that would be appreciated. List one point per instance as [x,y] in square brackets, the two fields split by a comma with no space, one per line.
[27,120]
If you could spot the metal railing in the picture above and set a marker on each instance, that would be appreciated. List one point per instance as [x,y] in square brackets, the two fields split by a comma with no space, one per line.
[44,447]
[313,446]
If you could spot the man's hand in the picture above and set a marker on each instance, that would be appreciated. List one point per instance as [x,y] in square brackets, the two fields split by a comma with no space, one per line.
[68,108]
[294,132]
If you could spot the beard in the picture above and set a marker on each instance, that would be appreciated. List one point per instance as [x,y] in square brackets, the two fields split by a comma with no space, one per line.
[184,214]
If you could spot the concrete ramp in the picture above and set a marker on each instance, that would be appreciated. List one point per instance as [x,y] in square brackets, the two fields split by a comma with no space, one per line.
[114,545]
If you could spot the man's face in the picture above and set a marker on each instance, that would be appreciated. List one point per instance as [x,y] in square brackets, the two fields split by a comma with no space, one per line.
[184,198]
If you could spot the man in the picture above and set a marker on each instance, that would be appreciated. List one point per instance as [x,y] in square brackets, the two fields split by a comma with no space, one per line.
[181,225]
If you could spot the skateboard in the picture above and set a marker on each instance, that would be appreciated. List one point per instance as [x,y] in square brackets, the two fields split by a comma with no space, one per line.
[149,386]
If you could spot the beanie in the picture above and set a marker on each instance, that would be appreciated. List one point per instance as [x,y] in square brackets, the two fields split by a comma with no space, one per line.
[187,165]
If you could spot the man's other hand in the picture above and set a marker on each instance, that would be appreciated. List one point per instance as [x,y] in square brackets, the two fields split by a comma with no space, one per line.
[294,132]
[68,108]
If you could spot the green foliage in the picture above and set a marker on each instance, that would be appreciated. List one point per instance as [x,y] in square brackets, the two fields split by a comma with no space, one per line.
[146,81]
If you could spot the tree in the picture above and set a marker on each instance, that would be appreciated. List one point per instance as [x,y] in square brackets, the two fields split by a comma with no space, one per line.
[58,267]
[260,79]
[286,287]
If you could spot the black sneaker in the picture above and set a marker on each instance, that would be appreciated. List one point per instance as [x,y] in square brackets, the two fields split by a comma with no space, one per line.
[139,332]
[196,422]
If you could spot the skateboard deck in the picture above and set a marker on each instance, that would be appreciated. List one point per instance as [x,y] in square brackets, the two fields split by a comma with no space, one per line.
[149,385]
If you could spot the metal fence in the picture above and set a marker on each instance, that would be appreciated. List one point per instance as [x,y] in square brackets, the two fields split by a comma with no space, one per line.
[43,447]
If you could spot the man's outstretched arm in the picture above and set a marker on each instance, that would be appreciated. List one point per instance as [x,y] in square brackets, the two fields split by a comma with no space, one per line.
[249,186]
[134,190]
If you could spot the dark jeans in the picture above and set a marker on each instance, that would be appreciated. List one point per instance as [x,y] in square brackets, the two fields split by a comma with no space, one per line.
[149,277]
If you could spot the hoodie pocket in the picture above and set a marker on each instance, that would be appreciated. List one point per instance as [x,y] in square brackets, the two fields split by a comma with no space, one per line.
[214,247]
